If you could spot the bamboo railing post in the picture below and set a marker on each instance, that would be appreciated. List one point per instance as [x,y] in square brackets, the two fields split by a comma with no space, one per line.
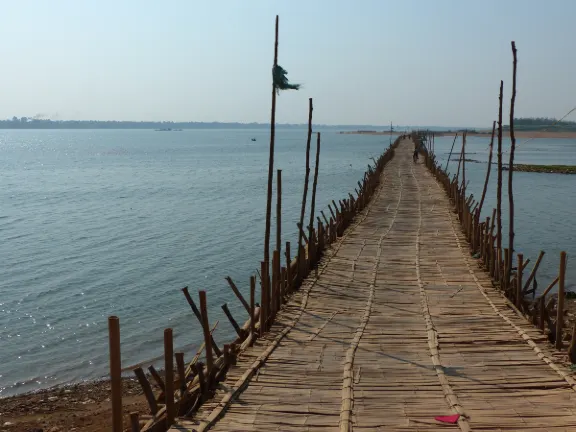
[279,210]
[147,390]
[233,322]
[313,200]
[512,150]
[157,378]
[271,156]
[519,280]
[542,307]
[533,272]
[300,257]
[169,374]
[560,309]
[115,373]
[252,305]
[464,166]
[238,294]
[198,315]
[181,372]
[134,422]
[206,329]
[503,273]
[276,280]
[289,275]
[499,184]
[572,347]
[263,299]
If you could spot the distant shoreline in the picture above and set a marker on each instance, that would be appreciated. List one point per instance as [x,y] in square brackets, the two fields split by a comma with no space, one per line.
[519,134]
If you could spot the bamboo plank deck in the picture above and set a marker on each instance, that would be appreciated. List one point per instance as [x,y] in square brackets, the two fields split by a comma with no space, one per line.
[399,326]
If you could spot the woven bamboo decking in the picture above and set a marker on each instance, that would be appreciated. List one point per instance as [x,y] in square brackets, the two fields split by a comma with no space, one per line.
[399,326]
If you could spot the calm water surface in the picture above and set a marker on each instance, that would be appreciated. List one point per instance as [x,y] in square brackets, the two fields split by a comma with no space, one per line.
[95,223]
[98,223]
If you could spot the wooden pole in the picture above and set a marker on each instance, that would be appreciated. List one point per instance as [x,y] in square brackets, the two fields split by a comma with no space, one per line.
[147,390]
[450,155]
[206,329]
[519,280]
[169,375]
[511,163]
[487,170]
[271,157]
[305,193]
[181,372]
[560,309]
[199,317]
[134,422]
[263,299]
[279,210]
[314,183]
[289,275]
[252,304]
[499,184]
[233,322]
[464,165]
[533,272]
[238,294]
[115,373]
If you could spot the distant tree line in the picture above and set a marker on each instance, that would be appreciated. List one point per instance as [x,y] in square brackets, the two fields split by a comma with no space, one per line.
[539,123]
[36,123]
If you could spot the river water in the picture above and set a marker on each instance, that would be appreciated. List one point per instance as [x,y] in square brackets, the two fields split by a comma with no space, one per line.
[96,223]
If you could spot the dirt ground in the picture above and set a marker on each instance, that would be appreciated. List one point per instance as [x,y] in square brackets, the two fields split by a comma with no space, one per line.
[81,407]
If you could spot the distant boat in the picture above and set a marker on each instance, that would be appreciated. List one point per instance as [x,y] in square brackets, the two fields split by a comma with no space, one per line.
[253,139]
[168,130]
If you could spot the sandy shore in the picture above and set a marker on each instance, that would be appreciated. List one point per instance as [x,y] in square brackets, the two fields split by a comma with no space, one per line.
[80,407]
[519,134]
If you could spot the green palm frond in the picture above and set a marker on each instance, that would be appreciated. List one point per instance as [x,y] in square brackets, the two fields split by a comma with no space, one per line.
[281,80]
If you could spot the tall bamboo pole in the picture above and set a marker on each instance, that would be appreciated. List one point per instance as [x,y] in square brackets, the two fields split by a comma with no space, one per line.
[279,210]
[499,184]
[315,182]
[305,193]
[487,170]
[450,155]
[271,157]
[464,165]
[511,163]
[115,373]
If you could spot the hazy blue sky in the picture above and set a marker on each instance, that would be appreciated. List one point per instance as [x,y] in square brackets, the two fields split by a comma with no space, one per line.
[364,61]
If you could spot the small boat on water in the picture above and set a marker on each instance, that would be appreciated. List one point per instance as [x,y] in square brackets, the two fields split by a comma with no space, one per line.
[253,139]
[168,130]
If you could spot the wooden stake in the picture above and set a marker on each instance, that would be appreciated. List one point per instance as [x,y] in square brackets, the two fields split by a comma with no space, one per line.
[134,422]
[206,329]
[235,325]
[487,170]
[271,157]
[199,317]
[181,372]
[533,272]
[238,294]
[279,210]
[263,299]
[147,390]
[289,276]
[169,376]
[276,277]
[512,150]
[499,184]
[324,217]
[305,193]
[314,183]
[252,305]
[115,373]
[157,378]
[560,309]
[519,280]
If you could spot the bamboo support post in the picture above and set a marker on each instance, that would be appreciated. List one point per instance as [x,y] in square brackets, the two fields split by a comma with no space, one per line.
[263,299]
[302,233]
[201,378]
[233,322]
[499,182]
[134,422]
[157,378]
[572,347]
[560,303]
[331,211]
[271,155]
[324,217]
[275,282]
[289,276]
[206,329]
[252,305]
[511,162]
[542,307]
[300,257]
[198,315]
[238,294]
[279,210]
[519,280]
[314,184]
[147,390]
[533,272]
[169,375]
[115,373]
[181,368]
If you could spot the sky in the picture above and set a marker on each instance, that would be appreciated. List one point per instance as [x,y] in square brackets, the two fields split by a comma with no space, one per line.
[412,62]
